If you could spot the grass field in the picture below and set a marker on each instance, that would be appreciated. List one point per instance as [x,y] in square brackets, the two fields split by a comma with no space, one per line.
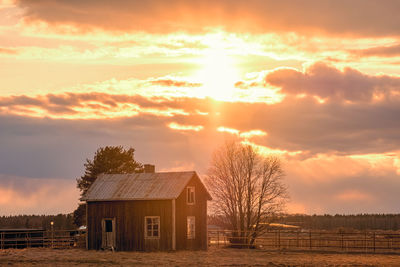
[212,257]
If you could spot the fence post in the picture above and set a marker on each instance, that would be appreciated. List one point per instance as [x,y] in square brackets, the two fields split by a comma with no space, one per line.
[279,239]
[28,245]
[310,241]
[374,242]
[297,239]
[365,242]
[342,241]
[217,238]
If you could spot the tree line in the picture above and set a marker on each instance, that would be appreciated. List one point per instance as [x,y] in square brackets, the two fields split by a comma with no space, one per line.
[361,222]
[61,222]
[338,221]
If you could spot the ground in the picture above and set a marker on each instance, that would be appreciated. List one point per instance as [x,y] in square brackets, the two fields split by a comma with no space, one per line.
[212,257]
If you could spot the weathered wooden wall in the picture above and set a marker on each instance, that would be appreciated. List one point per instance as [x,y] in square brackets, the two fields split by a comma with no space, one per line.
[199,210]
[129,216]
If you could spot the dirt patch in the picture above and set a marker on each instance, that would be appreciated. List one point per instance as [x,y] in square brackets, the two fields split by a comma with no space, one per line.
[212,257]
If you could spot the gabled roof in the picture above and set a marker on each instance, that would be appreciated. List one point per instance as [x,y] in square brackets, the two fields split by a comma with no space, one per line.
[139,186]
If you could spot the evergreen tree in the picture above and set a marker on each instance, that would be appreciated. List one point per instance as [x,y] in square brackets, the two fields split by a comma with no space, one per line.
[107,160]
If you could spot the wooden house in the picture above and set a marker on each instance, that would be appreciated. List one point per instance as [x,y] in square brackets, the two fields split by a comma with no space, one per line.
[147,211]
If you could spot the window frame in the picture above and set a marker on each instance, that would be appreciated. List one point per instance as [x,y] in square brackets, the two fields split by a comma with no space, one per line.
[146,234]
[190,189]
[190,220]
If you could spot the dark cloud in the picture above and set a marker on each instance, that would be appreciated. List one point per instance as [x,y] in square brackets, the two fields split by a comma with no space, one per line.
[328,82]
[305,125]
[296,124]
[43,147]
[381,51]
[33,147]
[356,17]
[66,103]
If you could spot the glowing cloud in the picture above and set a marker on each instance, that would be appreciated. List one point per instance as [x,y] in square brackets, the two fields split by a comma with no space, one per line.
[252,133]
[228,130]
[181,127]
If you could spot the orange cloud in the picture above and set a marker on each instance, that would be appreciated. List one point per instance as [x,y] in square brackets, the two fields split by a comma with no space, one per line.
[85,106]
[245,135]
[250,15]
[181,127]
[353,195]
[327,82]
[228,130]
[8,51]
[379,51]
[174,82]
[252,133]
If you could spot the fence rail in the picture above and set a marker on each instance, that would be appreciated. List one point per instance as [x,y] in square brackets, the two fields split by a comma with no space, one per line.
[369,242]
[54,239]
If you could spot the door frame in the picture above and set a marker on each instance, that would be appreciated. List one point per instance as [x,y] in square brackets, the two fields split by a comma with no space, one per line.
[105,236]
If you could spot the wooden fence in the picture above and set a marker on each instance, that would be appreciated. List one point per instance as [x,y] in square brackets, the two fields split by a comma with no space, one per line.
[368,242]
[53,239]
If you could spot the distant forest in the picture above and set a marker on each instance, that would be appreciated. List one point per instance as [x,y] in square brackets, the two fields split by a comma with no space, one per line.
[333,222]
[313,222]
[61,222]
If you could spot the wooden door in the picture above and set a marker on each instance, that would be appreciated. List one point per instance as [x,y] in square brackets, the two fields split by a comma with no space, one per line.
[108,239]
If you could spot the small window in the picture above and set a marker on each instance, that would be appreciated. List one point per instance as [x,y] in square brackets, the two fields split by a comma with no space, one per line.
[108,226]
[191,227]
[152,226]
[190,195]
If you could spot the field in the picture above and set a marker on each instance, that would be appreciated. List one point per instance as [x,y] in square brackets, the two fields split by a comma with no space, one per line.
[213,257]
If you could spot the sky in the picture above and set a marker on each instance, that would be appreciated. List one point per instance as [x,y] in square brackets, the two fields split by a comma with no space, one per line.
[316,83]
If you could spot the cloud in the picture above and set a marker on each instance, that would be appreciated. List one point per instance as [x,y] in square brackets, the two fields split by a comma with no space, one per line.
[353,195]
[328,82]
[23,195]
[379,51]
[332,139]
[342,17]
[340,184]
[181,127]
[8,51]
[173,82]
[228,130]
[85,106]
[294,124]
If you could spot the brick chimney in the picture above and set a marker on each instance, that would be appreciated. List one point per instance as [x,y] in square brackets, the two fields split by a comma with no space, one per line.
[149,168]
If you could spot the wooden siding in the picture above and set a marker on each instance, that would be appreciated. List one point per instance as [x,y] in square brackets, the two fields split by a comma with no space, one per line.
[129,220]
[199,210]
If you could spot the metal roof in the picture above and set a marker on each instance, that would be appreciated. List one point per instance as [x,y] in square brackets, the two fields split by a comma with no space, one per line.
[138,186]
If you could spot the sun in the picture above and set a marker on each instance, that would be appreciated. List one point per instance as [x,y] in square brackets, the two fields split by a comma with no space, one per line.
[221,67]
[218,74]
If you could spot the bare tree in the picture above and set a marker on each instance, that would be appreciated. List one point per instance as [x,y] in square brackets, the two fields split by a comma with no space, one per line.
[247,189]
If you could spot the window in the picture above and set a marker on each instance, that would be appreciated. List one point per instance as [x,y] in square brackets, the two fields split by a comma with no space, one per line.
[190,195]
[152,226]
[108,225]
[191,227]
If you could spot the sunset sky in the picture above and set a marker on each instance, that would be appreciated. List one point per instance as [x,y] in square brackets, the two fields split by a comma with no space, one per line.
[315,82]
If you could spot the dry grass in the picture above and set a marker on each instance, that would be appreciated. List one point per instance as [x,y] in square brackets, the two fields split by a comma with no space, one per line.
[212,257]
